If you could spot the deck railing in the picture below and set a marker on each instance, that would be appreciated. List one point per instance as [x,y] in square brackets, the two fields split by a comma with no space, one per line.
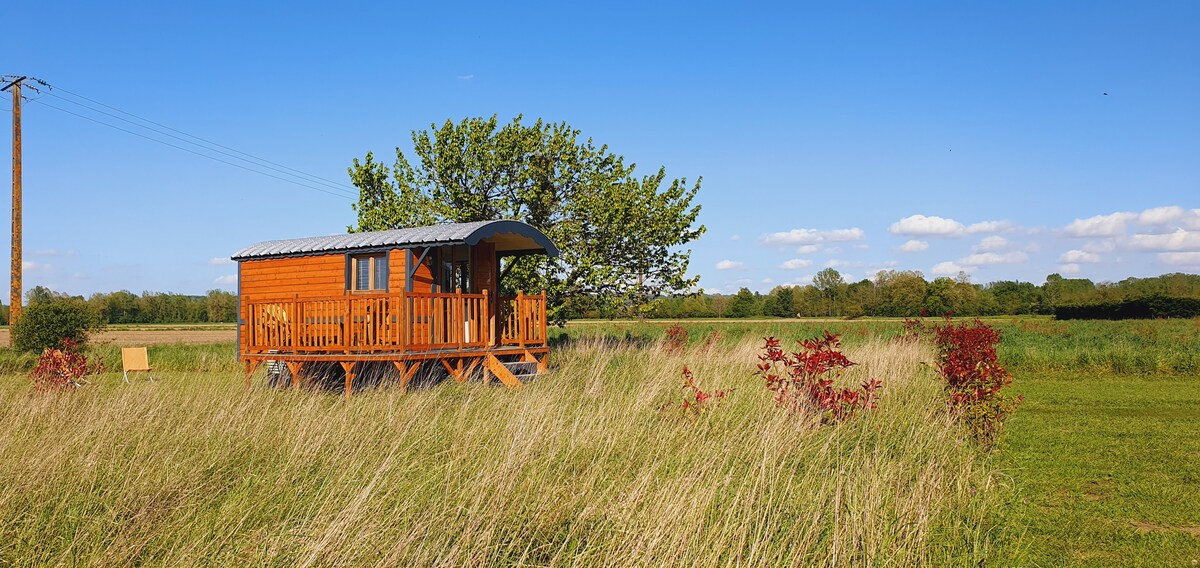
[524,320]
[403,322]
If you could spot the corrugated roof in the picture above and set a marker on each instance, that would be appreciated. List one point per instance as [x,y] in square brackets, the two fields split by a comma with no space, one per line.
[452,233]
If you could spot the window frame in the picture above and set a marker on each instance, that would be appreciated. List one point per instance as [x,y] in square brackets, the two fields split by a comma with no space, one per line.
[377,269]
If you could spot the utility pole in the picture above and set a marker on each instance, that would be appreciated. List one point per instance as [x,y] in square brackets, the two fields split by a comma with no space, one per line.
[14,309]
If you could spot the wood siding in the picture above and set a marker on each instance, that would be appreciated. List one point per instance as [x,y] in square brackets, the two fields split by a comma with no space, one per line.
[288,278]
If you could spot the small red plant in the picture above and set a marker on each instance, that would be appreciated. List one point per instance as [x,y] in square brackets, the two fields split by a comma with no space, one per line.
[62,369]
[712,339]
[697,401]
[914,329]
[803,381]
[677,338]
[974,379]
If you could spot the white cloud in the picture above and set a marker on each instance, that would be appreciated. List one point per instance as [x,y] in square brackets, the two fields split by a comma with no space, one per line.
[934,226]
[729,265]
[735,237]
[30,266]
[1162,215]
[813,236]
[228,279]
[1068,269]
[990,227]
[1180,240]
[1106,245]
[808,249]
[465,77]
[795,263]
[994,242]
[836,263]
[1077,256]
[1180,258]
[220,261]
[948,268]
[914,246]
[989,258]
[767,281]
[1191,220]
[1100,225]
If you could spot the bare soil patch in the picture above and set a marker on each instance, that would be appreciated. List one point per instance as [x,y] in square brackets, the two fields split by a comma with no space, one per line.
[130,337]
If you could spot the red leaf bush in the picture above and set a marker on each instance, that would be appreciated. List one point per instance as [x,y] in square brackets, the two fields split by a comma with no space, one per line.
[697,401]
[803,381]
[62,369]
[677,338]
[974,379]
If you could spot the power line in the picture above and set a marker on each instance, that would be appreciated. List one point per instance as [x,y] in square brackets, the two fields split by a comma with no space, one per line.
[189,150]
[232,152]
[252,163]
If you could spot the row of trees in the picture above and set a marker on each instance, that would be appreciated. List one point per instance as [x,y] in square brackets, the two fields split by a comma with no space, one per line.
[151,307]
[908,293]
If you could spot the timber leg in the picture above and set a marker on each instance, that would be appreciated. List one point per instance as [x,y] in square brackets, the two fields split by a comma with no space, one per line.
[349,368]
[251,365]
[406,374]
[295,369]
[466,372]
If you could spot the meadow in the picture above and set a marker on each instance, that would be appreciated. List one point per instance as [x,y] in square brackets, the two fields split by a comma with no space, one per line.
[585,466]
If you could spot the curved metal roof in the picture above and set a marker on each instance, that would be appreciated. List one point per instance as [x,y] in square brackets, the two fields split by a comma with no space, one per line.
[527,240]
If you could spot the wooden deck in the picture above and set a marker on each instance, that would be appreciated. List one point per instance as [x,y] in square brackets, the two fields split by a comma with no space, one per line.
[462,332]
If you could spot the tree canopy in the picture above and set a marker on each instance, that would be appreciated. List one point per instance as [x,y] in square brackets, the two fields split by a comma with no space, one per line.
[620,234]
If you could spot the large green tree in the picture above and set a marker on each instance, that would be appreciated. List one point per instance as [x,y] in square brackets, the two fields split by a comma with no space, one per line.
[621,235]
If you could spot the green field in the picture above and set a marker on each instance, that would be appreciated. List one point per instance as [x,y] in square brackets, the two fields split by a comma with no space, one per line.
[1098,467]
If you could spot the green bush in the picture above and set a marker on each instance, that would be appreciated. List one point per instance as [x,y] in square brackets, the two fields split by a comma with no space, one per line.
[47,323]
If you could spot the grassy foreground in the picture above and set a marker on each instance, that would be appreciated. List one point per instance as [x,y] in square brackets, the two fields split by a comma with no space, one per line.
[579,467]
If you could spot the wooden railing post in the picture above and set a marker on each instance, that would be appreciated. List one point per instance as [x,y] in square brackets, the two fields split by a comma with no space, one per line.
[347,324]
[521,318]
[295,321]
[543,336]
[404,322]
[485,321]
[456,318]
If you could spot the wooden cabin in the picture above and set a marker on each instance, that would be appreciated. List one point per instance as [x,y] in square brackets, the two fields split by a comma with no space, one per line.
[422,297]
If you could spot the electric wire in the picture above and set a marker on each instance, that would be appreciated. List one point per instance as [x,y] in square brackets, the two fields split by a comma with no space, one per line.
[219,148]
[189,150]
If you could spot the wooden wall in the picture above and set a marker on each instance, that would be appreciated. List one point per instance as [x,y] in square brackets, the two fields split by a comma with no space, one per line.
[423,277]
[285,278]
[397,269]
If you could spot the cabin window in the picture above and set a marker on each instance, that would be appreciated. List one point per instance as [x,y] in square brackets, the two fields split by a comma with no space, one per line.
[369,273]
[454,269]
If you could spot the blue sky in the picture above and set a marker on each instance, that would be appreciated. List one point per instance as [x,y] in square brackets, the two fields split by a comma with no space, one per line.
[929,136]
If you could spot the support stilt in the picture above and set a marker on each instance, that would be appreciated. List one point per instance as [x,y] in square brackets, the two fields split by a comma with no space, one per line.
[251,365]
[349,368]
[295,369]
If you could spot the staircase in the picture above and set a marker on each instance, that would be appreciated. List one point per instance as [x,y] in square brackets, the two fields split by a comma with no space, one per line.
[511,373]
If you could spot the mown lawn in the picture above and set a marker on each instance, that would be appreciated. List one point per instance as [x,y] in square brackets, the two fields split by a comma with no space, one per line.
[1108,468]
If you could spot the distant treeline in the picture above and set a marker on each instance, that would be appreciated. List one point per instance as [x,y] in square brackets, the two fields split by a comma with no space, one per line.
[908,294]
[1150,307]
[150,307]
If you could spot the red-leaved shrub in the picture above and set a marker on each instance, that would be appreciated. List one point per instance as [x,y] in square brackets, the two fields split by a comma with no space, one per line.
[974,378]
[697,401]
[803,381]
[677,338]
[63,368]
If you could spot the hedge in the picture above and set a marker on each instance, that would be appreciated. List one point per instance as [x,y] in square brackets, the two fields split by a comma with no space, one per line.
[1149,307]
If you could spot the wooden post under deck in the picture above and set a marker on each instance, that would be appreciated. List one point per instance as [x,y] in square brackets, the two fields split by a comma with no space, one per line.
[349,368]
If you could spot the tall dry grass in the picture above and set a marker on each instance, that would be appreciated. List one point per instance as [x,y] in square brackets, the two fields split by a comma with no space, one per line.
[578,468]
